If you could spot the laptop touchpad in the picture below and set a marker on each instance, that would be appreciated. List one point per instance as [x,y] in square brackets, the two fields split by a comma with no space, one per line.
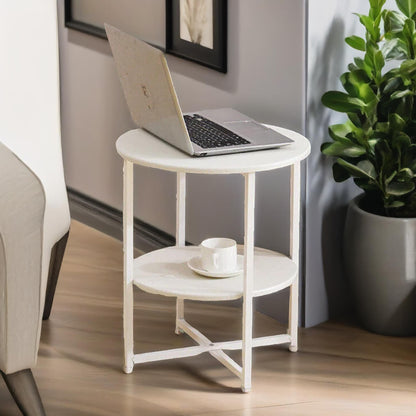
[255,132]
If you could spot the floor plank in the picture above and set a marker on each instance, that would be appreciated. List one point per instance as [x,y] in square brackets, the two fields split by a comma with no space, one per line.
[339,370]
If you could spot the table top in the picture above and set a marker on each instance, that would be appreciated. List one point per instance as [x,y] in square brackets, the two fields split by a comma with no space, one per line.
[165,272]
[143,148]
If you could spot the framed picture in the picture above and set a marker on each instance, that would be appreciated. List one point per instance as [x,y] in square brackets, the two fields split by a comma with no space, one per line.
[197,30]
[74,22]
[144,19]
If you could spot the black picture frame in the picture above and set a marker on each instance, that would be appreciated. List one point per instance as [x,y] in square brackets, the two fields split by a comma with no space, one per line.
[71,23]
[215,58]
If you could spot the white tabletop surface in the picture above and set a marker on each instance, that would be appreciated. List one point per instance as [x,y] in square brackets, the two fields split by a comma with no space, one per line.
[142,148]
[165,272]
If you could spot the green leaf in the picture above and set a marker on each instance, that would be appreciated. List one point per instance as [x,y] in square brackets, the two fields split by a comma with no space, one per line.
[356,84]
[379,60]
[356,42]
[393,73]
[359,76]
[394,49]
[408,7]
[368,23]
[355,119]
[363,169]
[366,93]
[392,85]
[375,7]
[396,122]
[374,59]
[338,132]
[359,63]
[400,188]
[367,167]
[339,173]
[409,28]
[377,21]
[362,65]
[405,174]
[349,88]
[342,102]
[342,149]
[377,4]
[401,94]
[352,67]
[401,141]
[408,67]
[408,35]
[366,184]
[395,204]
[393,22]
[383,127]
[408,71]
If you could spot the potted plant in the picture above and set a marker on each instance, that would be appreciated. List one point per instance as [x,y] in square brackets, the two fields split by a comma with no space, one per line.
[376,146]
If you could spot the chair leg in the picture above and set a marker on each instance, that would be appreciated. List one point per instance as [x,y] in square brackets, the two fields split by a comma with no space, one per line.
[22,387]
[57,256]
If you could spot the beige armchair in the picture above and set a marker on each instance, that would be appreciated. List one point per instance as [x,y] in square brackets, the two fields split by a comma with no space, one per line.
[34,212]
[22,208]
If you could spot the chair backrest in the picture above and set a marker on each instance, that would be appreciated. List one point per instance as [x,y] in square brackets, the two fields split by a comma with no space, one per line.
[30,96]
[29,81]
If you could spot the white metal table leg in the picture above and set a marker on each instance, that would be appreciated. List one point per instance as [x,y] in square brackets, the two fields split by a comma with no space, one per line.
[180,314]
[248,281]
[128,248]
[294,254]
[180,235]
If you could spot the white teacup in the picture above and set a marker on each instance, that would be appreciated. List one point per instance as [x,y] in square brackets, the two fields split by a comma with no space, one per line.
[219,255]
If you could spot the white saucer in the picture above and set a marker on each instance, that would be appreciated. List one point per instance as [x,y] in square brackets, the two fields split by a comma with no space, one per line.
[195,265]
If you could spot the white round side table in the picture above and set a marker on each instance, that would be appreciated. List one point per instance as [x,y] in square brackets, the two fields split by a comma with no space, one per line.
[165,271]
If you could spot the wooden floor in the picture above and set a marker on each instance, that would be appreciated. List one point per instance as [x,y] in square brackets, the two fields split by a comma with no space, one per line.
[339,370]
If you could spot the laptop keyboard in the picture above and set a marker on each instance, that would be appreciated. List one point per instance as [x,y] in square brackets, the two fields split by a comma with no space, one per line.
[208,135]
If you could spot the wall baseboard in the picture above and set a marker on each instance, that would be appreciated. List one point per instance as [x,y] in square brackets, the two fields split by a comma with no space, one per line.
[110,221]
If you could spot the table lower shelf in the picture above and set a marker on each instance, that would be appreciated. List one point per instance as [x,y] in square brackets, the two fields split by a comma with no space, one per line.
[165,272]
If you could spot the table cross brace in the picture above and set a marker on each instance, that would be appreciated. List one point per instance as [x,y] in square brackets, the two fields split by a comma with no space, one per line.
[205,345]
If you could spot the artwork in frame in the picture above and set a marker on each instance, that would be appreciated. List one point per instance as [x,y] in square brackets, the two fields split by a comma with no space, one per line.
[197,30]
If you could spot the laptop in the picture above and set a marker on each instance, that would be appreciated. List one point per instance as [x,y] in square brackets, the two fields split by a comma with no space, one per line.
[154,106]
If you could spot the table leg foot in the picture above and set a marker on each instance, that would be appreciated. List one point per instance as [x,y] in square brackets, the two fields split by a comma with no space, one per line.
[128,369]
[178,331]
[293,348]
[246,389]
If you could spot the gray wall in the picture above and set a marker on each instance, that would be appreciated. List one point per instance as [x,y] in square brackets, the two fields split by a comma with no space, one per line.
[329,22]
[265,80]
